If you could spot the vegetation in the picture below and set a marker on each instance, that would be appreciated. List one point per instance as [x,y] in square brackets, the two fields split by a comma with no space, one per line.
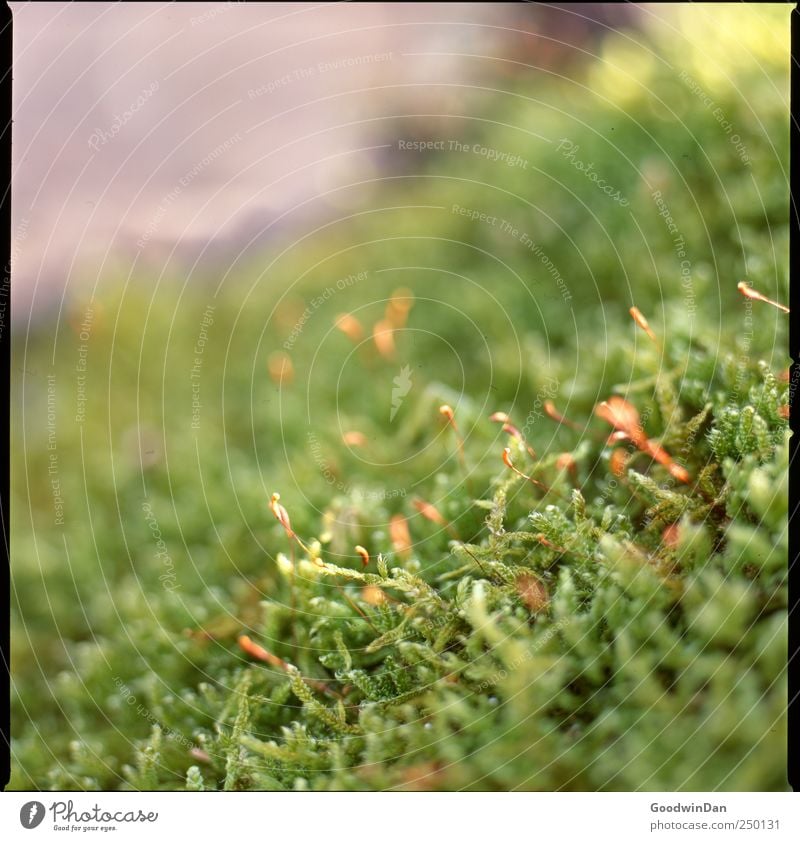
[587,594]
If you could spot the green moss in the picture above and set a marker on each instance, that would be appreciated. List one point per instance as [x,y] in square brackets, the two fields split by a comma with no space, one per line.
[603,629]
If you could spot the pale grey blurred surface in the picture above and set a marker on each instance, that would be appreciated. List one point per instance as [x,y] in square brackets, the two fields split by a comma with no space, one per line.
[152,136]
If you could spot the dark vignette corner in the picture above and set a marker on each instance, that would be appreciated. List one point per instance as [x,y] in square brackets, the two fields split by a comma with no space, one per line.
[794,538]
[5,368]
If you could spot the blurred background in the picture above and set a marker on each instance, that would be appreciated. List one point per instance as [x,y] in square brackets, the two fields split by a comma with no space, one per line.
[161,137]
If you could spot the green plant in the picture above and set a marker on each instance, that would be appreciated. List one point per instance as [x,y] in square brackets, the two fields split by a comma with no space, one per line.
[592,621]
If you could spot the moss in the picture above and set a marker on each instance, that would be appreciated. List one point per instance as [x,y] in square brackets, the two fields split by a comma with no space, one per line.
[601,624]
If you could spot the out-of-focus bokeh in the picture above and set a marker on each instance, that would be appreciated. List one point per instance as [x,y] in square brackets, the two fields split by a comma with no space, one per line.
[167,137]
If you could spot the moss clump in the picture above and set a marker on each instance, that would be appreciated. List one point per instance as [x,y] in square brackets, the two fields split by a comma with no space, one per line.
[566,642]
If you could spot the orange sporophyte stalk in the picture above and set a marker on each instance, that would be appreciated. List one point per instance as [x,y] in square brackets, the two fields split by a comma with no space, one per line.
[510,464]
[432,513]
[398,307]
[400,535]
[281,515]
[671,535]
[447,412]
[259,653]
[551,412]
[532,592]
[512,430]
[641,321]
[373,595]
[617,461]
[350,326]
[280,368]
[383,336]
[624,417]
[749,292]
[549,544]
[565,461]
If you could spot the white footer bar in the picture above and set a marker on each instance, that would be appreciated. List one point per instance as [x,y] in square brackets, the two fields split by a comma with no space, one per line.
[308,816]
